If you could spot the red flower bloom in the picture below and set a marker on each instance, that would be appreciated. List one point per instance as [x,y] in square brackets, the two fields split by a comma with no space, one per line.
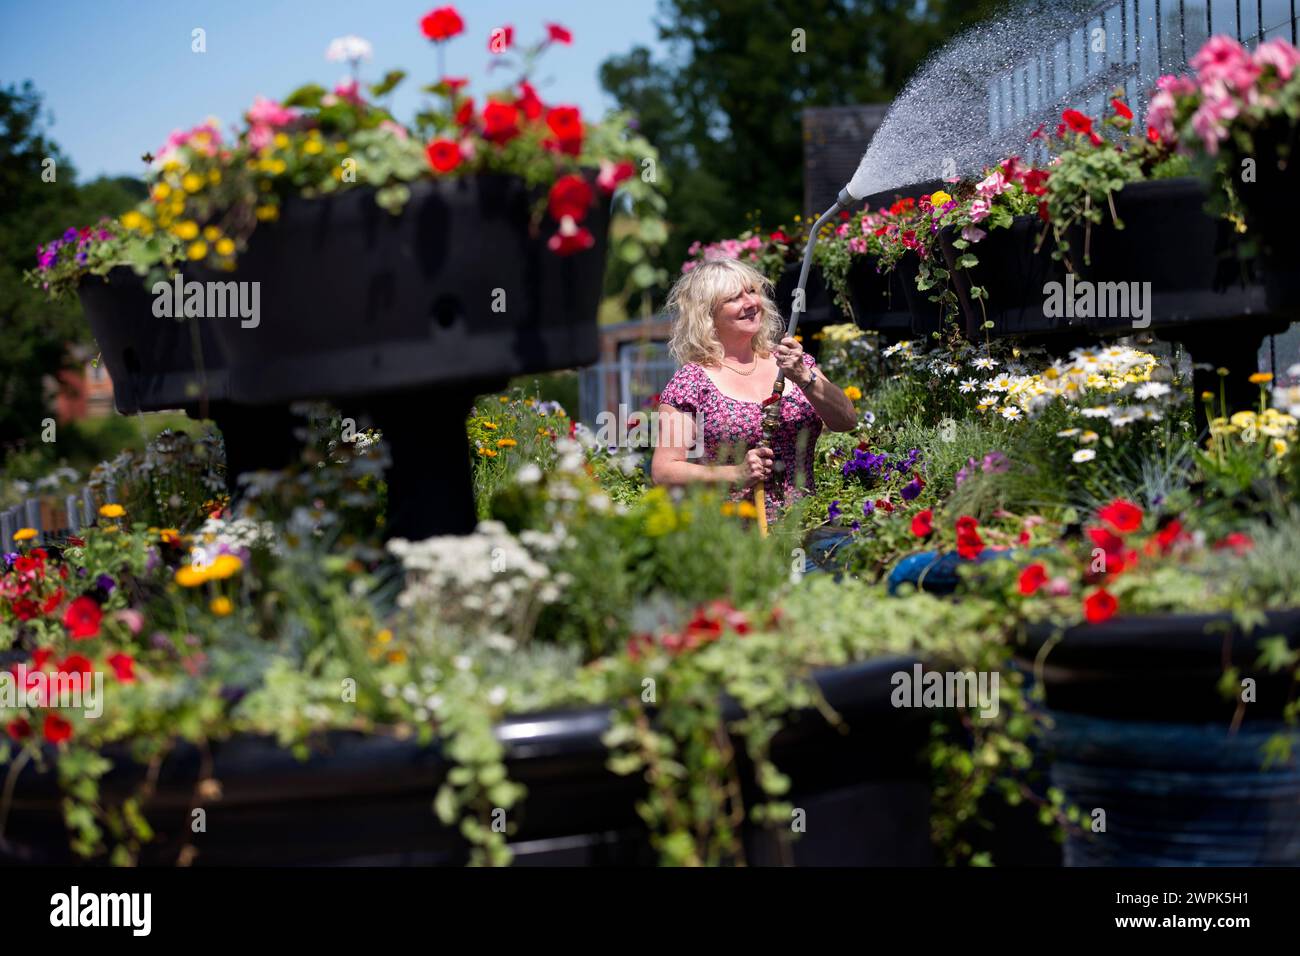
[1095,139]
[887,506]
[1152,135]
[1035,182]
[1121,109]
[442,24]
[567,243]
[611,174]
[26,565]
[1032,578]
[923,523]
[1038,133]
[570,196]
[566,123]
[56,728]
[19,729]
[52,602]
[465,115]
[969,542]
[76,664]
[1237,542]
[1106,540]
[123,666]
[529,101]
[1099,606]
[25,609]
[1122,515]
[443,155]
[1043,214]
[557,34]
[454,83]
[1077,121]
[40,657]
[82,618]
[500,122]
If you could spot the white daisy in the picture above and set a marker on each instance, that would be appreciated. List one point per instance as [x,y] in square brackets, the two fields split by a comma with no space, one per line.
[1097,411]
[984,362]
[1082,455]
[1152,390]
[968,386]
[1067,433]
[1087,438]
[1010,413]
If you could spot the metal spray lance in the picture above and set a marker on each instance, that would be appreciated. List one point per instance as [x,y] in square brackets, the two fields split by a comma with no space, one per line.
[772,404]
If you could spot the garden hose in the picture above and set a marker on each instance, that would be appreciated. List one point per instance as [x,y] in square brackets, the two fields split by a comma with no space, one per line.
[772,404]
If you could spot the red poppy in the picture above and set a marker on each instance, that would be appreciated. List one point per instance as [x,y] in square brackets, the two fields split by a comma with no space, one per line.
[567,243]
[19,729]
[123,666]
[1032,578]
[529,101]
[1122,515]
[557,34]
[570,196]
[500,122]
[76,664]
[442,24]
[1077,121]
[1099,606]
[443,154]
[465,115]
[82,618]
[1121,109]
[501,39]
[923,523]
[56,728]
[566,123]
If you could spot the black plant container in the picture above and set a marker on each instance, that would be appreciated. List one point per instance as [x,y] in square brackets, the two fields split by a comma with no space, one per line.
[819,305]
[1143,734]
[368,800]
[458,288]
[1272,210]
[150,359]
[880,303]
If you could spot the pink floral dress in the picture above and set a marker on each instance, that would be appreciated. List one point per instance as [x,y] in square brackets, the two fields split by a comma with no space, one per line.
[732,427]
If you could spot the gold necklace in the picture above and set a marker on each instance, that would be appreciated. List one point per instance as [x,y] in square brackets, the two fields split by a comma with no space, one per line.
[738,371]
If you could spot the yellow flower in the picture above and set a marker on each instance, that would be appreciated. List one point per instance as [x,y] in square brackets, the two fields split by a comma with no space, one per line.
[214,176]
[384,636]
[190,576]
[197,250]
[191,182]
[746,509]
[487,453]
[225,247]
[1279,447]
[853,392]
[221,606]
[312,147]
[161,192]
[939,198]
[503,399]
[728,508]
[223,566]
[211,233]
[396,657]
[169,536]
[1207,396]
[111,511]
[25,534]
[132,220]
[491,426]
[281,141]
[268,213]
[187,230]
[506,443]
[1261,378]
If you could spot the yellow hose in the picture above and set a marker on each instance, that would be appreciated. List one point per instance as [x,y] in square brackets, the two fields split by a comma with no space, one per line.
[760,504]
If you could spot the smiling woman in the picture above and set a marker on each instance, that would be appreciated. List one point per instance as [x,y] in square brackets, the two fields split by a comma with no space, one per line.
[728,335]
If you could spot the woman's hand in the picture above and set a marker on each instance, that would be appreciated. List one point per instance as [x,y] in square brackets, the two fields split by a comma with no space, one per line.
[757,466]
[789,358]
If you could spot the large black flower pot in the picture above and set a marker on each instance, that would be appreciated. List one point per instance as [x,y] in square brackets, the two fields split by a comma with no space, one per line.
[156,363]
[879,301]
[368,799]
[1272,204]
[819,305]
[1166,769]
[1183,265]
[456,289]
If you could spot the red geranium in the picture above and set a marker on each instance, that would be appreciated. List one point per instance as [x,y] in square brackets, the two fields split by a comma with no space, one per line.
[566,123]
[26,565]
[465,115]
[557,34]
[76,664]
[1121,109]
[1099,606]
[923,523]
[500,122]
[529,101]
[53,601]
[566,242]
[570,196]
[25,609]
[1077,121]
[443,154]
[1032,578]
[123,666]
[1122,515]
[969,542]
[442,24]
[82,618]
[19,729]
[1035,182]
[1152,135]
[56,728]
[1167,537]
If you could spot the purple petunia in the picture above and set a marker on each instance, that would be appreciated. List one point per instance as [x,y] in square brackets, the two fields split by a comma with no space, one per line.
[833,512]
[912,489]
[105,583]
[868,507]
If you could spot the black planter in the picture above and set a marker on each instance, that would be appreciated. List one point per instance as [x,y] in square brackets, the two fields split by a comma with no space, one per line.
[880,303]
[819,307]
[151,359]
[1142,734]
[1272,207]
[368,799]
[358,302]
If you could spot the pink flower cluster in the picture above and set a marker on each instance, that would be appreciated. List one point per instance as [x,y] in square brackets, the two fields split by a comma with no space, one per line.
[726,249]
[208,143]
[264,118]
[1229,79]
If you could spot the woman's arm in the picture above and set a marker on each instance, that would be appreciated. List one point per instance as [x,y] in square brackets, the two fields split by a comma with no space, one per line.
[830,402]
[670,466]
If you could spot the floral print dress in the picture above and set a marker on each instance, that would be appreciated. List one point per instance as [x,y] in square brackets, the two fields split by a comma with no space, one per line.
[731,427]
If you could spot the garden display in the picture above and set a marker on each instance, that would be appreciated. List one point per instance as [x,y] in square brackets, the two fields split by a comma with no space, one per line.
[513,647]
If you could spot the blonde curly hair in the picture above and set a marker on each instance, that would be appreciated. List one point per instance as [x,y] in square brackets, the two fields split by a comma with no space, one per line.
[696,296]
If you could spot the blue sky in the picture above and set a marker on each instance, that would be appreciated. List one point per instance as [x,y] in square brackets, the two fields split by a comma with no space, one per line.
[119,75]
